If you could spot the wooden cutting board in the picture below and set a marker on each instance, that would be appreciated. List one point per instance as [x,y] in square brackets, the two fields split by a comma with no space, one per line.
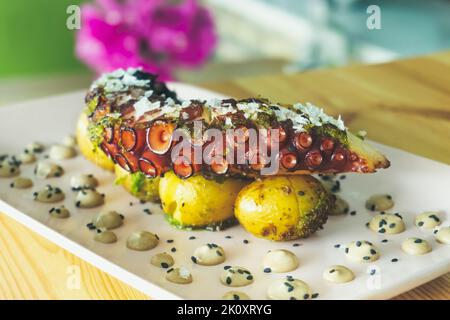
[404,104]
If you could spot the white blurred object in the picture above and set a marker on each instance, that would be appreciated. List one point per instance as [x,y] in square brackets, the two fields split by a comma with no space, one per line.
[256,29]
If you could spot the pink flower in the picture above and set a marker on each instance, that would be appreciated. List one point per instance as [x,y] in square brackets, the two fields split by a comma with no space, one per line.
[159,35]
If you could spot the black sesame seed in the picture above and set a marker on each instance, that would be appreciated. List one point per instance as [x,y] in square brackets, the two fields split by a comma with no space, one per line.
[228,280]
[51,210]
[435,218]
[164,265]
[194,259]
[358,243]
[169,240]
[147,211]
[218,253]
[372,207]
[191,238]
[301,193]
[306,296]
[383,212]
[245,241]
[418,241]
[170,270]
[290,286]
[372,272]
[389,197]
[267,270]
[337,245]
[296,245]
[236,297]
[420,224]
[77,204]
[142,201]
[382,230]
[366,258]
[367,224]
[336,187]
[394,260]
[373,252]
[11,184]
[315,295]
[226,267]
[131,204]
[392,225]
[352,213]
[384,240]
[90,226]
[346,250]
[332,271]
[249,277]
[292,298]
[435,231]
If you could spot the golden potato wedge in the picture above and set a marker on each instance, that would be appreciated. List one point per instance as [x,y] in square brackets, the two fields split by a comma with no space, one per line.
[91,152]
[283,208]
[197,202]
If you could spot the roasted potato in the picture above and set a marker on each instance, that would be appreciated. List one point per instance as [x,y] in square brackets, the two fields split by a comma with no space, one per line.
[138,184]
[197,202]
[283,208]
[88,149]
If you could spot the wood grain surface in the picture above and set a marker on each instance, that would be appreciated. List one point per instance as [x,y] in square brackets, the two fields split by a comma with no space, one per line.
[405,104]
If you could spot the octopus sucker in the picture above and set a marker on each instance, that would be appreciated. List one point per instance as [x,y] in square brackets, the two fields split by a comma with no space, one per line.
[122,161]
[147,168]
[159,136]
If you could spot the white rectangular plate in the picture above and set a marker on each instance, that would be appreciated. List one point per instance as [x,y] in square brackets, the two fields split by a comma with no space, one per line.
[416,184]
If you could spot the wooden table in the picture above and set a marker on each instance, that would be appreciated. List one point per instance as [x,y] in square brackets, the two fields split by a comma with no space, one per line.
[405,104]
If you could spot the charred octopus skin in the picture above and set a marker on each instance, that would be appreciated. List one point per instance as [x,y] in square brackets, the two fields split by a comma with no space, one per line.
[135,119]
[114,94]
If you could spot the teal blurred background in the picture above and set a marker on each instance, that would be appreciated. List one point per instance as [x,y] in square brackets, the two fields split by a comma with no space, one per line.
[34,38]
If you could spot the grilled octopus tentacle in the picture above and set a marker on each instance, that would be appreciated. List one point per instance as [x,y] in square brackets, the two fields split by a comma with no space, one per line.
[139,135]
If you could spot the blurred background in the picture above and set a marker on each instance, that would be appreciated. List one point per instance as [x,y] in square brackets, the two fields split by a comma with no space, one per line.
[204,41]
